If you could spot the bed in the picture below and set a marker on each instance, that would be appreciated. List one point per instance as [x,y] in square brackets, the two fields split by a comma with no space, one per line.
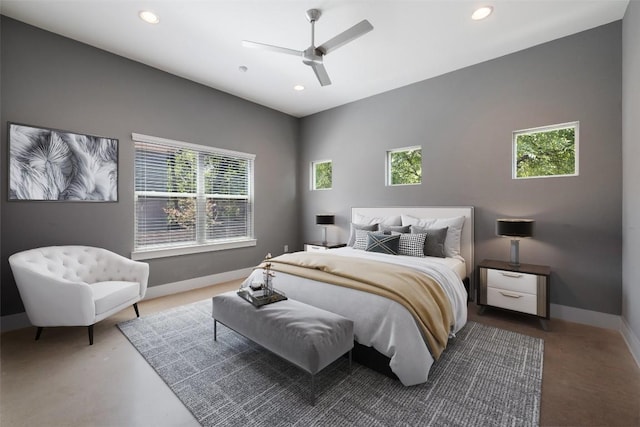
[381,323]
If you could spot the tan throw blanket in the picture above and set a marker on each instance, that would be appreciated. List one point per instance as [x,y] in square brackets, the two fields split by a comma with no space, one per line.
[417,292]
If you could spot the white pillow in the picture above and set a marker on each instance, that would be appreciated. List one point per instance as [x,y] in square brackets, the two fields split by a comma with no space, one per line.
[419,222]
[454,233]
[386,220]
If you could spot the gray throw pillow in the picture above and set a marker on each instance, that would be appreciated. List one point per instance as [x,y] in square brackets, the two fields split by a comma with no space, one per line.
[391,229]
[434,244]
[354,227]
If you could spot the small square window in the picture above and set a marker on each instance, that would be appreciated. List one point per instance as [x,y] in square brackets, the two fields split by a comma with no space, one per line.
[546,151]
[321,175]
[404,166]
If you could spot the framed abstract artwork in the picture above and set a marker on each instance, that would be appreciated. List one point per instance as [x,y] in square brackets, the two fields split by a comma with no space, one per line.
[50,164]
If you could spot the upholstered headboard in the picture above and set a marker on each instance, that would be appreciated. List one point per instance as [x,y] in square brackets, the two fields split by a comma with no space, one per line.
[466,240]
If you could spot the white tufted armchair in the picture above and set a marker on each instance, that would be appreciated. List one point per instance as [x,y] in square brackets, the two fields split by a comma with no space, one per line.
[76,285]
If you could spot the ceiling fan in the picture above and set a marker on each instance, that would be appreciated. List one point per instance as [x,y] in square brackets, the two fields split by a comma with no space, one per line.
[313,55]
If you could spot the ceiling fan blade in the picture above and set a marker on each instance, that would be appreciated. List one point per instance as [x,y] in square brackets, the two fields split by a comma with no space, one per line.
[247,43]
[346,36]
[321,73]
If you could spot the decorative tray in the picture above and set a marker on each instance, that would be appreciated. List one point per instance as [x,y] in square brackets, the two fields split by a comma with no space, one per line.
[258,299]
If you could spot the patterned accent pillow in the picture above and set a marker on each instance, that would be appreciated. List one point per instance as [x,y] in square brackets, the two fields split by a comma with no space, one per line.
[412,244]
[361,239]
[434,245]
[355,227]
[383,243]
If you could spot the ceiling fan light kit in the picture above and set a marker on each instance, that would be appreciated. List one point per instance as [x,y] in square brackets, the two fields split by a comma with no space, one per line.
[313,56]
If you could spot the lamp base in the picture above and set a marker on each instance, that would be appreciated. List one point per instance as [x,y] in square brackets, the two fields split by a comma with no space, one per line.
[324,235]
[515,253]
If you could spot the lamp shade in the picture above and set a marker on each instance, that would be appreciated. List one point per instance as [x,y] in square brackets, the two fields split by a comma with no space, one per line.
[512,227]
[325,219]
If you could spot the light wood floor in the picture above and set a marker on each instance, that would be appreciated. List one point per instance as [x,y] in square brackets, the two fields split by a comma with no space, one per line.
[590,378]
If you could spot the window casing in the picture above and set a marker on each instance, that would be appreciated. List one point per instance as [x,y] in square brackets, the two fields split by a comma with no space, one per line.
[544,152]
[404,166]
[322,175]
[190,198]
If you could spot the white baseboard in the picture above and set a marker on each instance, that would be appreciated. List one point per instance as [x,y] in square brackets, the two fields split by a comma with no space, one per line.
[632,340]
[20,320]
[196,283]
[586,317]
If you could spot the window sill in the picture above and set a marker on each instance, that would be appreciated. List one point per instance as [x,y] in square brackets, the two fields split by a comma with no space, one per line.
[186,250]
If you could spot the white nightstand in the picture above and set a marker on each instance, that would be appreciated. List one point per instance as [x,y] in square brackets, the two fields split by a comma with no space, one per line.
[524,289]
[322,246]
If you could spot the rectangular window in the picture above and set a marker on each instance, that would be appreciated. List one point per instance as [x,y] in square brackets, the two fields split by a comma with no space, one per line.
[321,175]
[546,151]
[404,166]
[190,198]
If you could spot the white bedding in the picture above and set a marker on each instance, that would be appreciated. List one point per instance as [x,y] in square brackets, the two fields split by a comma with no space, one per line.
[379,322]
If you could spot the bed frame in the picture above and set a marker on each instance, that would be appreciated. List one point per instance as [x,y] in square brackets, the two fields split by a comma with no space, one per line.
[467,238]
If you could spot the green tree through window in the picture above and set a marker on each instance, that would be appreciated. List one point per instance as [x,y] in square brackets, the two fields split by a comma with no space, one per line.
[322,175]
[405,166]
[549,151]
[181,178]
[187,196]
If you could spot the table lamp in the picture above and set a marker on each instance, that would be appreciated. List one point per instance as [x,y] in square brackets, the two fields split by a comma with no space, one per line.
[325,220]
[516,229]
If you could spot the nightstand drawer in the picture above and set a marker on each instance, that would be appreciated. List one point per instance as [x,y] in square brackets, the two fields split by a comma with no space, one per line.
[512,281]
[315,248]
[517,301]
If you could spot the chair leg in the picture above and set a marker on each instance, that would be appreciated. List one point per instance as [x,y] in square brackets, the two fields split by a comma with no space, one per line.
[90,334]
[39,332]
[135,307]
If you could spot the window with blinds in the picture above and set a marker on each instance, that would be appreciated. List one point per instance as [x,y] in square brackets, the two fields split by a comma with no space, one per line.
[191,196]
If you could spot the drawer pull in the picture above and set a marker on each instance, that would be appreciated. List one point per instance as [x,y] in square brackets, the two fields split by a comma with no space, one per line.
[516,275]
[510,295]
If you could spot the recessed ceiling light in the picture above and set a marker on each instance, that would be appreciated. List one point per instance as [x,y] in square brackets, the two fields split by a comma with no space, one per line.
[482,13]
[149,17]
[298,88]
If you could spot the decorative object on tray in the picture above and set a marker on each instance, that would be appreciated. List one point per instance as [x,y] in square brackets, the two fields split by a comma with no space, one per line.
[262,293]
[49,164]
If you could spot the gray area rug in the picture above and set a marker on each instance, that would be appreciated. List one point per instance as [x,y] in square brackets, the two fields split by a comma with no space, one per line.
[485,377]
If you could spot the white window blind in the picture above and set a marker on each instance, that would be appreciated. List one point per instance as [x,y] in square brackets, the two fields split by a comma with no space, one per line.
[189,195]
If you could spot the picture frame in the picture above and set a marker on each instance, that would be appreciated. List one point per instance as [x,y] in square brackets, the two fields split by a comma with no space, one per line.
[56,165]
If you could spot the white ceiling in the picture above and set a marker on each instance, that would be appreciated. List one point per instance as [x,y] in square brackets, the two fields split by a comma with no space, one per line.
[411,41]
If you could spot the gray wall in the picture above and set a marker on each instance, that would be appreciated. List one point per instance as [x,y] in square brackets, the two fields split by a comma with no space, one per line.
[464,120]
[631,171]
[52,81]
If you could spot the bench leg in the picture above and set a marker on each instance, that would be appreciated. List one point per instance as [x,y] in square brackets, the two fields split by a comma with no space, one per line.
[215,330]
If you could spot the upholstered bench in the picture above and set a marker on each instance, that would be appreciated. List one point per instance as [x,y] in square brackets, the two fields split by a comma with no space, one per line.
[306,336]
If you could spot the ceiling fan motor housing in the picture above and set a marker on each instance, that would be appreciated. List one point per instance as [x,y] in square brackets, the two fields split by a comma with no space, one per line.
[313,15]
[312,55]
